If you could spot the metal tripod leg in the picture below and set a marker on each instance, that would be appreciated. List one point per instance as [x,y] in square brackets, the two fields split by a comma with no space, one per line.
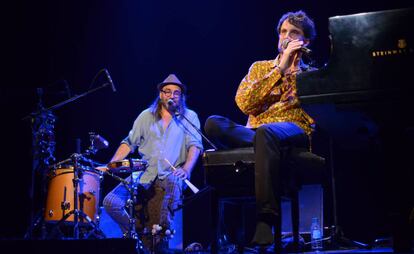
[130,205]
[81,215]
[37,220]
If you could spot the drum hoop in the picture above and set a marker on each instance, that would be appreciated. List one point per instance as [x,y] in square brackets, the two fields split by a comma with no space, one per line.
[69,169]
[123,166]
[126,163]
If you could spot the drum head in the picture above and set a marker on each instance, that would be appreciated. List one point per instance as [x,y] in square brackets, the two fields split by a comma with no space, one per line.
[127,166]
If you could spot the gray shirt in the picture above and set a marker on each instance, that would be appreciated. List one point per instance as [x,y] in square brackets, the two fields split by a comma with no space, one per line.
[154,144]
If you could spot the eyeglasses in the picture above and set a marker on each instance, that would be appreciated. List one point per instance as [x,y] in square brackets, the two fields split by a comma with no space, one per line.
[175,93]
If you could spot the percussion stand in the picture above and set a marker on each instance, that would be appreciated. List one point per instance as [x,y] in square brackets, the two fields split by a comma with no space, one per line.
[130,205]
[76,211]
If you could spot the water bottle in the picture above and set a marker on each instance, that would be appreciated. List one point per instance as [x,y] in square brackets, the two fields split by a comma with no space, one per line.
[316,235]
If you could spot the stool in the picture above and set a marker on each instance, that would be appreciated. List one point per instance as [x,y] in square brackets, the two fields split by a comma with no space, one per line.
[230,173]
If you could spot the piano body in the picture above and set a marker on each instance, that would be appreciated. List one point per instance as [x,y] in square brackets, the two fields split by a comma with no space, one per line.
[362,100]
[371,56]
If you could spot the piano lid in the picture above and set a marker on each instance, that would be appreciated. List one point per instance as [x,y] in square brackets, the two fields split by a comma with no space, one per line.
[371,56]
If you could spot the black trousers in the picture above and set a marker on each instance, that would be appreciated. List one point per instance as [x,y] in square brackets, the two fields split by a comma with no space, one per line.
[268,140]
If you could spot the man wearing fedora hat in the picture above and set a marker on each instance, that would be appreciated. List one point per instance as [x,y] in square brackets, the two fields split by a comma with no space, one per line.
[160,136]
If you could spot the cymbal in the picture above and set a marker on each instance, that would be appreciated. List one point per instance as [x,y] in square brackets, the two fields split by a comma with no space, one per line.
[124,166]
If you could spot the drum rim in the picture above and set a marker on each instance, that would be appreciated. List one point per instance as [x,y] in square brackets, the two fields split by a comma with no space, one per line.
[69,169]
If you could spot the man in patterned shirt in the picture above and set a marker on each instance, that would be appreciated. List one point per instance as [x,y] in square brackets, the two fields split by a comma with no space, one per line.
[268,95]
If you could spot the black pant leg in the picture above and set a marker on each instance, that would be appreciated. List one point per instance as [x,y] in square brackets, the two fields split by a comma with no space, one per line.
[226,134]
[267,170]
[269,141]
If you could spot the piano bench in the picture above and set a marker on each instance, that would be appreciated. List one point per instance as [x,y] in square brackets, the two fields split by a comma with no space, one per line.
[230,173]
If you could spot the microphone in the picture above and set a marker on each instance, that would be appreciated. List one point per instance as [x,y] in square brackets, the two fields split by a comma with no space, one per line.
[302,49]
[110,80]
[172,106]
[171,102]
[99,142]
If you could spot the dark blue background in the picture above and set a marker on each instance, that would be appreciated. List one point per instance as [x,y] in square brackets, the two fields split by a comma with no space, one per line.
[208,44]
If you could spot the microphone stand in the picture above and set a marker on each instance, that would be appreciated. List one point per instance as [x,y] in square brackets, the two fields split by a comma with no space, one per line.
[68,100]
[177,113]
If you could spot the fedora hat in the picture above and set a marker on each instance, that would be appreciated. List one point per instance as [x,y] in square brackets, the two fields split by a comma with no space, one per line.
[172,80]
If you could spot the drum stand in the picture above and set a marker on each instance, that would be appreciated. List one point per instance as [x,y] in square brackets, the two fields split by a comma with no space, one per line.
[78,214]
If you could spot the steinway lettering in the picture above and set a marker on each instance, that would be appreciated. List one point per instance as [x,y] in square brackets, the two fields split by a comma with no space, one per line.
[380,53]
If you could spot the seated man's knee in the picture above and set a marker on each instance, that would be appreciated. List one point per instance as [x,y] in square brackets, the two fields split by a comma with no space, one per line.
[265,134]
[263,131]
[212,126]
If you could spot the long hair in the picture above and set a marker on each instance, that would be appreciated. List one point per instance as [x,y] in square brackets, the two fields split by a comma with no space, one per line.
[156,106]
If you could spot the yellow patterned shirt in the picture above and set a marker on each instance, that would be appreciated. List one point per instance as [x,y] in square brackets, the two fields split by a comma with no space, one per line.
[267,96]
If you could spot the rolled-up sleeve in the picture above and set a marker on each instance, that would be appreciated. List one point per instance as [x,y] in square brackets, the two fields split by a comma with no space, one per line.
[192,137]
[133,140]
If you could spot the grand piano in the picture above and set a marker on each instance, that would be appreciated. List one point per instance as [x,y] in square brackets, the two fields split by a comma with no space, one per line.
[371,58]
[362,97]
[361,100]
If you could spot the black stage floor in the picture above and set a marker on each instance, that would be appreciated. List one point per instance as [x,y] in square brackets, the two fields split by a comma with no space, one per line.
[128,246]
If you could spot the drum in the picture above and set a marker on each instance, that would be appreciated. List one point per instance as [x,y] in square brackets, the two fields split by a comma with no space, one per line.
[127,166]
[60,196]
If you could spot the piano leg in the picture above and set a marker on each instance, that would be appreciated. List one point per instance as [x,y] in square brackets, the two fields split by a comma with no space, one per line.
[337,239]
[214,199]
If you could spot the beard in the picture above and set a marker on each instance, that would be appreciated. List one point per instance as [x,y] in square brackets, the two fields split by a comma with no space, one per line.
[171,108]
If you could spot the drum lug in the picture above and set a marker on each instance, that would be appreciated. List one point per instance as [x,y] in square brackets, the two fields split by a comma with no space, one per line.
[65,205]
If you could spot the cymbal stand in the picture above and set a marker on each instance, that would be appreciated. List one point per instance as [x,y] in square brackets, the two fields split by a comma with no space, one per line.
[43,143]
